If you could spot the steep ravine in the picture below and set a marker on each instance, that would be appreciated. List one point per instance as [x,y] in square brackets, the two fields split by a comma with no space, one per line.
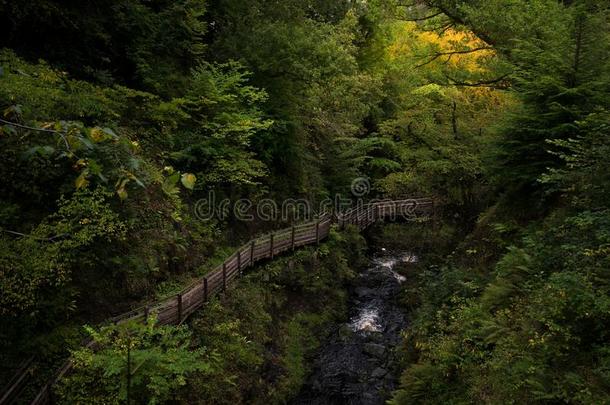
[357,363]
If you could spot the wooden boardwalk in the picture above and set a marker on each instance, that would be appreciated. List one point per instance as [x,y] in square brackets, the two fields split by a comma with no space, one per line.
[177,309]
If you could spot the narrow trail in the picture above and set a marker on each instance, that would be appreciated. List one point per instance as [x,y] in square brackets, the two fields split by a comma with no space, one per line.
[356,365]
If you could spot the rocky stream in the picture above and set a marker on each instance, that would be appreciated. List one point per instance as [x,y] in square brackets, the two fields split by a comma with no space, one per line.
[356,365]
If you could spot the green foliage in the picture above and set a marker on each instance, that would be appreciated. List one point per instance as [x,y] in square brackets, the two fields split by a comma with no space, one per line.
[263,332]
[318,96]
[437,130]
[299,338]
[536,333]
[144,363]
[519,313]
[97,154]
[225,112]
[150,44]
[235,333]
[86,192]
[561,78]
[251,98]
[45,259]
[584,176]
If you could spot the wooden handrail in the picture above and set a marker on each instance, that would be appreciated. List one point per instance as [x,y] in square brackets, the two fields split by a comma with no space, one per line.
[15,385]
[177,309]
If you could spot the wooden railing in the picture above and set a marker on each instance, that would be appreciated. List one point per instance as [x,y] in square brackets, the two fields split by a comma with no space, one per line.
[178,308]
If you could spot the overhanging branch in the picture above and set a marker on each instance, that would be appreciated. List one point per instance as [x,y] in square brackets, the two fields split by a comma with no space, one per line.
[62,134]
[451,53]
[455,16]
[429,17]
[498,83]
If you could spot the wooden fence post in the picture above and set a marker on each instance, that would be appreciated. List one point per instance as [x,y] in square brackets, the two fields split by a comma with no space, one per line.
[252,253]
[146,314]
[179,298]
[318,232]
[205,289]
[224,276]
[292,238]
[52,401]
[434,215]
[271,246]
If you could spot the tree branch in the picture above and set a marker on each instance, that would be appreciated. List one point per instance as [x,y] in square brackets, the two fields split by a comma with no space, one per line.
[14,124]
[51,131]
[425,18]
[442,29]
[451,53]
[499,83]
[454,15]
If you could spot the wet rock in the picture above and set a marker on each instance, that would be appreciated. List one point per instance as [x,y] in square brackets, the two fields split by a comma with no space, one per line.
[364,292]
[379,372]
[376,337]
[393,328]
[374,349]
[367,396]
[345,333]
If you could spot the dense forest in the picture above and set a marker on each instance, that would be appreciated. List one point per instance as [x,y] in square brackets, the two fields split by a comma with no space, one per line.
[118,117]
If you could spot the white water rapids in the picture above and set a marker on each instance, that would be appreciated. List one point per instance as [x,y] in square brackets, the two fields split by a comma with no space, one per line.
[368,318]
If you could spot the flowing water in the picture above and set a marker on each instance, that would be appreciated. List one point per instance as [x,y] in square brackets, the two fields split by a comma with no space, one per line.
[356,365]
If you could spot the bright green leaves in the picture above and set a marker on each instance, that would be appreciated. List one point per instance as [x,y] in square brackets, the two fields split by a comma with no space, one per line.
[224,117]
[90,150]
[82,181]
[170,183]
[188,180]
[438,130]
[120,188]
[125,178]
[98,135]
[122,193]
[158,359]
[98,143]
